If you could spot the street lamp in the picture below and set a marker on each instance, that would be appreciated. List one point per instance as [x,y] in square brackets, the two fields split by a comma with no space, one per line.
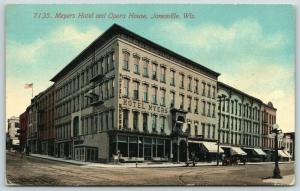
[220,99]
[276,131]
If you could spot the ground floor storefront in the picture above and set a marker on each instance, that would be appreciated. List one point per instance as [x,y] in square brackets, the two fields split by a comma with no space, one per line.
[32,145]
[138,148]
[46,147]
[63,149]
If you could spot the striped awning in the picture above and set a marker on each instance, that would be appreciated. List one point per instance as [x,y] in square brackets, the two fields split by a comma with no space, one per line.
[237,151]
[259,152]
[212,147]
[282,154]
[287,154]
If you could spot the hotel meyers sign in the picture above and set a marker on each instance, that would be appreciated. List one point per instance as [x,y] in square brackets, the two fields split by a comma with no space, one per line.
[144,106]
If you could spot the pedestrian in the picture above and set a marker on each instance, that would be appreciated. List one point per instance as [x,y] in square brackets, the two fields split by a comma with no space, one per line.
[193,158]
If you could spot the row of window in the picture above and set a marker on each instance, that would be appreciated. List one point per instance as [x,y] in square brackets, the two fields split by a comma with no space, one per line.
[97,122]
[154,97]
[208,130]
[101,67]
[63,131]
[207,89]
[238,139]
[240,110]
[103,91]
[269,118]
[236,124]
[145,120]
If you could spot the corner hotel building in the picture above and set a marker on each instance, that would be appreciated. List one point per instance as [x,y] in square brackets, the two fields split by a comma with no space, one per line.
[126,95]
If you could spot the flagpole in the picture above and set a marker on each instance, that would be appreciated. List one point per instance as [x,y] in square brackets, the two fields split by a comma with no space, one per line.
[32,91]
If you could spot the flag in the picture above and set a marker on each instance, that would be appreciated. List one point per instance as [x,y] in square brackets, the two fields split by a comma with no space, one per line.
[27,86]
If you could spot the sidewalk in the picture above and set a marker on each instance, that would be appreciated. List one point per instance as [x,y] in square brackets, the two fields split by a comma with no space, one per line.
[284,181]
[134,165]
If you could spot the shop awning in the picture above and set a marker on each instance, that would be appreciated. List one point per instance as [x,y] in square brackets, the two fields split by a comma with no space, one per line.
[192,141]
[287,154]
[259,152]
[282,154]
[237,151]
[212,147]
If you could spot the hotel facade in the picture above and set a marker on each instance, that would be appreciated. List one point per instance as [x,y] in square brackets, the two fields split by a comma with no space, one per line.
[125,97]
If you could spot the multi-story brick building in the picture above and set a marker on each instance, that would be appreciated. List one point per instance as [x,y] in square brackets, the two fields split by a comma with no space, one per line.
[32,139]
[240,120]
[45,123]
[23,130]
[268,120]
[113,98]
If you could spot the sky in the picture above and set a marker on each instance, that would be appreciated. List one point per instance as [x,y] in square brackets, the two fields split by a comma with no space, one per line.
[252,46]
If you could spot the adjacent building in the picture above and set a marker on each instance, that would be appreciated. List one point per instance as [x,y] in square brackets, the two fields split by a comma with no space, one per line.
[13,132]
[23,130]
[240,118]
[32,139]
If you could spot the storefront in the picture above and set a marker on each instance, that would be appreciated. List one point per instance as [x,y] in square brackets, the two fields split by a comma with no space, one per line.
[204,151]
[138,148]
[255,154]
[86,153]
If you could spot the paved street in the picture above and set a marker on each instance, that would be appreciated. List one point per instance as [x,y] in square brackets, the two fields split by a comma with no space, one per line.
[36,171]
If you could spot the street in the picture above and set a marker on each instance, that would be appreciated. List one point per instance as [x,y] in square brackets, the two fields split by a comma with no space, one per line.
[35,171]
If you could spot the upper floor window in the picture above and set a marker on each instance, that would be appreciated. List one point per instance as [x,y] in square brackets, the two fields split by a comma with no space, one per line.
[172,99]
[203,107]
[196,105]
[145,68]
[154,123]
[208,90]
[181,101]
[154,71]
[154,95]
[163,97]
[162,124]
[126,60]
[214,92]
[203,88]
[213,110]
[135,120]
[126,87]
[145,122]
[181,81]
[145,92]
[136,65]
[136,90]
[172,82]
[196,86]
[113,59]
[125,118]
[189,104]
[190,84]
[162,74]
[208,109]
[108,64]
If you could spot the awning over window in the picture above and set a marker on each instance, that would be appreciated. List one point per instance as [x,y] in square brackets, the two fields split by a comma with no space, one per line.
[212,147]
[282,154]
[287,154]
[260,152]
[237,151]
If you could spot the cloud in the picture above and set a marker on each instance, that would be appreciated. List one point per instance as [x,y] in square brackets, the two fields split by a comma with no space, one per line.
[248,57]
[40,60]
